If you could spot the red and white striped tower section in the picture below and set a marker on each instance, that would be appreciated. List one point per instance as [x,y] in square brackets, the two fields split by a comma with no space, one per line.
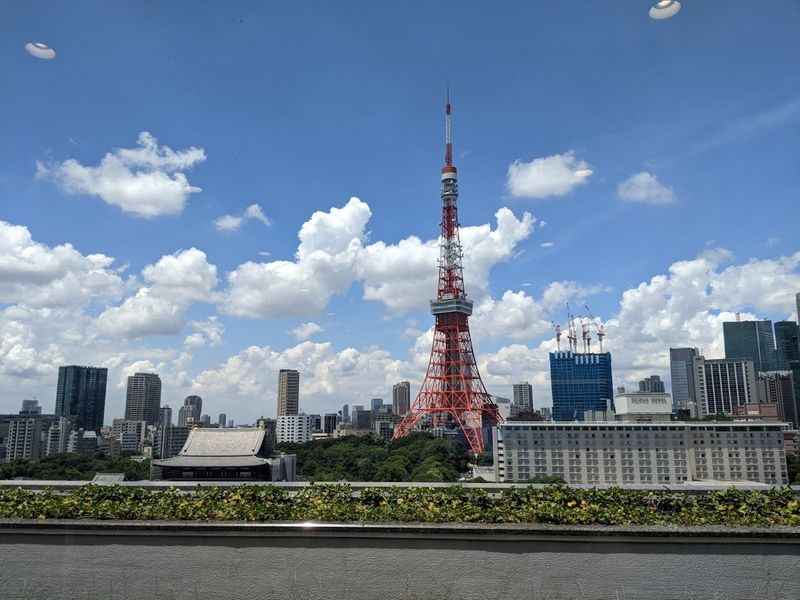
[452,393]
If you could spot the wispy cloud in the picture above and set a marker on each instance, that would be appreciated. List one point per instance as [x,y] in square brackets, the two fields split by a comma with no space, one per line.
[745,127]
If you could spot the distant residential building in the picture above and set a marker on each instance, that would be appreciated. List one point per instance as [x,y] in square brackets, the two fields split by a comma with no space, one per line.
[640,453]
[376,404]
[580,382]
[652,384]
[81,395]
[57,439]
[82,442]
[191,410]
[681,370]
[383,426]
[504,406]
[224,454]
[288,392]
[130,434]
[361,418]
[294,429]
[170,440]
[751,340]
[329,422]
[642,407]
[205,420]
[523,395]
[723,383]
[143,398]
[547,413]
[401,398]
[345,414]
[30,408]
[27,437]
[316,423]
[769,413]
[231,423]
[778,388]
[165,416]
[222,420]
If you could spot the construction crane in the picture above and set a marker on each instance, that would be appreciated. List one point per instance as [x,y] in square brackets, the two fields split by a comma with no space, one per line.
[586,334]
[557,328]
[572,336]
[598,325]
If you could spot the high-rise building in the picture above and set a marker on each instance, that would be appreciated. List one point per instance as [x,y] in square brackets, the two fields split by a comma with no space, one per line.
[681,372]
[345,413]
[329,422]
[165,416]
[205,420]
[30,407]
[191,411]
[723,383]
[316,423]
[751,340]
[294,429]
[401,398]
[143,398]
[652,384]
[81,395]
[523,395]
[360,418]
[222,419]
[376,404]
[787,340]
[777,387]
[580,382]
[288,392]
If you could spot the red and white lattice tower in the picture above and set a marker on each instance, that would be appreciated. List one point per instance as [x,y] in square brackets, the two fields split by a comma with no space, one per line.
[452,393]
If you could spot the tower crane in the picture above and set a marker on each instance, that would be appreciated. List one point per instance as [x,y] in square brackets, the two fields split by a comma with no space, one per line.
[598,325]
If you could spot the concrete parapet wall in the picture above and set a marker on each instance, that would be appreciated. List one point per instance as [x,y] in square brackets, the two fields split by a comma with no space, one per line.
[164,560]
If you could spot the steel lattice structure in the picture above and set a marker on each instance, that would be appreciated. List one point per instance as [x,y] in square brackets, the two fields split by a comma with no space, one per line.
[452,392]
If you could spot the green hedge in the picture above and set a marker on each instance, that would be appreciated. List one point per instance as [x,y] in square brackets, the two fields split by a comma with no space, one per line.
[552,504]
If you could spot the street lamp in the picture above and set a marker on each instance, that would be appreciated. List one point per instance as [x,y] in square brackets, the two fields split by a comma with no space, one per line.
[664,9]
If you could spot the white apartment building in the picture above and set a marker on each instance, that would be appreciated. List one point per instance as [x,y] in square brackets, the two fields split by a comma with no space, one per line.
[640,453]
[293,429]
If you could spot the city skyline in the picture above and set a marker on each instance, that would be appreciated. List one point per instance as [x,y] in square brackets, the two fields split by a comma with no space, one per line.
[245,265]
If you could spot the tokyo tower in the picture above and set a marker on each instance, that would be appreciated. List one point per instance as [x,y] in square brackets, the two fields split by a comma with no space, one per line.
[452,393]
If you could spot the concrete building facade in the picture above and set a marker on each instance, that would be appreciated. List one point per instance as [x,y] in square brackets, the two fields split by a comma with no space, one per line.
[723,383]
[681,372]
[523,395]
[288,392]
[294,429]
[656,453]
[143,398]
[401,398]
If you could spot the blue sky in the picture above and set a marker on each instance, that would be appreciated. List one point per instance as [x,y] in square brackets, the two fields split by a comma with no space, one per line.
[299,107]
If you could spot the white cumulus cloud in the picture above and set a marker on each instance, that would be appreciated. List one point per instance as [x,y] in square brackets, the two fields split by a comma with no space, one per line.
[555,175]
[645,188]
[147,181]
[306,330]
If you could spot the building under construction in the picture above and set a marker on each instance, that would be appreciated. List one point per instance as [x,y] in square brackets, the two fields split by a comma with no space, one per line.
[580,381]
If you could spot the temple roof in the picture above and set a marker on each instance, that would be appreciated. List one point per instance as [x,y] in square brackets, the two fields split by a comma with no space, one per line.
[209,447]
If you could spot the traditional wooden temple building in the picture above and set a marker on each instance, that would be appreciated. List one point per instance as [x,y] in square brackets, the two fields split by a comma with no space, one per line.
[240,454]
